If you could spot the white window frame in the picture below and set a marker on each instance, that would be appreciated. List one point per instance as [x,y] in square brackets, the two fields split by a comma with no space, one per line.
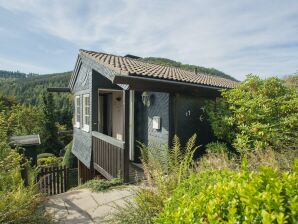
[86,127]
[77,111]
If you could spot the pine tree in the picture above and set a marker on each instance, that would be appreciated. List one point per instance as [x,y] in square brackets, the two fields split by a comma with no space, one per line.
[50,140]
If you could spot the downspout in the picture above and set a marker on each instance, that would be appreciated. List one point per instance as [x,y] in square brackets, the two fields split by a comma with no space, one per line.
[131,125]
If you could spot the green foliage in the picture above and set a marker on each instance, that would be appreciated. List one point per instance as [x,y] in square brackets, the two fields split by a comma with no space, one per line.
[37,217]
[69,160]
[163,175]
[20,119]
[6,102]
[51,141]
[45,155]
[28,89]
[256,115]
[53,160]
[25,120]
[16,200]
[200,69]
[99,185]
[225,196]
[3,128]
[216,147]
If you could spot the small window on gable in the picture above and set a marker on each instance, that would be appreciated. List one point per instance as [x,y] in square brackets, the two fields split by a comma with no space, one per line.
[86,112]
[77,111]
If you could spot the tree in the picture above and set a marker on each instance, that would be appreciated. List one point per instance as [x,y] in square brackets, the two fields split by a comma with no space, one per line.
[50,139]
[258,114]
[25,120]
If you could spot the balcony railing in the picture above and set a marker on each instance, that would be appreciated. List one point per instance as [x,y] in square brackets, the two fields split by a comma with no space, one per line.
[108,155]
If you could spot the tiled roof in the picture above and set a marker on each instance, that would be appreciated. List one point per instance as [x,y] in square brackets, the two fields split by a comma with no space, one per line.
[137,67]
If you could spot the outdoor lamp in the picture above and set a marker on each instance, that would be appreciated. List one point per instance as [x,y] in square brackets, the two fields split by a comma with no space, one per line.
[146,99]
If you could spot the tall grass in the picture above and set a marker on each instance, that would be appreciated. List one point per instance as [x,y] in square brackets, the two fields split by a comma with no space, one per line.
[282,160]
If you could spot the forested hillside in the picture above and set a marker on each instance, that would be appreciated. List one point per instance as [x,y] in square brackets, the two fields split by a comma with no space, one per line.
[200,69]
[30,88]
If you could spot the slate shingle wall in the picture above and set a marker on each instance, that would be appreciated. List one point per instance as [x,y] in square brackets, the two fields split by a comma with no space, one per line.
[82,139]
[88,82]
[144,131]
[160,108]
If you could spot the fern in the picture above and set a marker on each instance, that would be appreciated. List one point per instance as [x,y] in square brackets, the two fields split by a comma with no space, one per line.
[164,169]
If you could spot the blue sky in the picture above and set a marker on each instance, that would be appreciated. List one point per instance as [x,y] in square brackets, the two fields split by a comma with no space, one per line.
[237,37]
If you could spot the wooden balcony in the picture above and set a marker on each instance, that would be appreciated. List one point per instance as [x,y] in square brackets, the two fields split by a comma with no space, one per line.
[108,155]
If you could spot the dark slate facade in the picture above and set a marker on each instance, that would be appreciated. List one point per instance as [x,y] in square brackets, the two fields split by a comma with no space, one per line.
[144,131]
[82,139]
[91,76]
[160,108]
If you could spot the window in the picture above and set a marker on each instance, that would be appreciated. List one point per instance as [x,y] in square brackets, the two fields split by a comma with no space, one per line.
[77,111]
[86,112]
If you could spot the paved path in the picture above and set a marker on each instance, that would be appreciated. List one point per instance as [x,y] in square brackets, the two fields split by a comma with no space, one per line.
[84,206]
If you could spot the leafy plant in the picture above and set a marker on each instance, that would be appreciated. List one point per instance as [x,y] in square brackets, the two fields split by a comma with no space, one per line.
[16,200]
[226,196]
[99,185]
[69,160]
[258,114]
[45,155]
[52,160]
[217,147]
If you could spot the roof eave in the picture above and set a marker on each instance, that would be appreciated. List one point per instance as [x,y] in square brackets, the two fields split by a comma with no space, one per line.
[162,85]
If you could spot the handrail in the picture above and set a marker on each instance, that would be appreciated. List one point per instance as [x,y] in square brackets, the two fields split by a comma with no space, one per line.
[109,139]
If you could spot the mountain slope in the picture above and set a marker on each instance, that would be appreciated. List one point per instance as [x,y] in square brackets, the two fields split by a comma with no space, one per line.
[29,89]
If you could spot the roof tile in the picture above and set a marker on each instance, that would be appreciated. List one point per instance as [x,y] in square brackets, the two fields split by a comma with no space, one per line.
[136,67]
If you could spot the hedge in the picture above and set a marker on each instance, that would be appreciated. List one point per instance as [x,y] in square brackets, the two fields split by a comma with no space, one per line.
[226,196]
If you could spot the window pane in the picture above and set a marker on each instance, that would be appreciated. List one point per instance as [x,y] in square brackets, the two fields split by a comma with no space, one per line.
[86,110]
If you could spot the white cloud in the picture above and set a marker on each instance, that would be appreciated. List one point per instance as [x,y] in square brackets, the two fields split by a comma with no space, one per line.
[238,37]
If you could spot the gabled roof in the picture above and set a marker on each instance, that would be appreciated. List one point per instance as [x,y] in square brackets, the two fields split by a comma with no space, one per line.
[135,67]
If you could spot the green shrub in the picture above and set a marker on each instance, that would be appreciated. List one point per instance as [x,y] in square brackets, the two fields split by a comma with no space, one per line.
[258,114]
[164,172]
[16,200]
[52,160]
[45,155]
[69,160]
[98,185]
[226,196]
[217,147]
